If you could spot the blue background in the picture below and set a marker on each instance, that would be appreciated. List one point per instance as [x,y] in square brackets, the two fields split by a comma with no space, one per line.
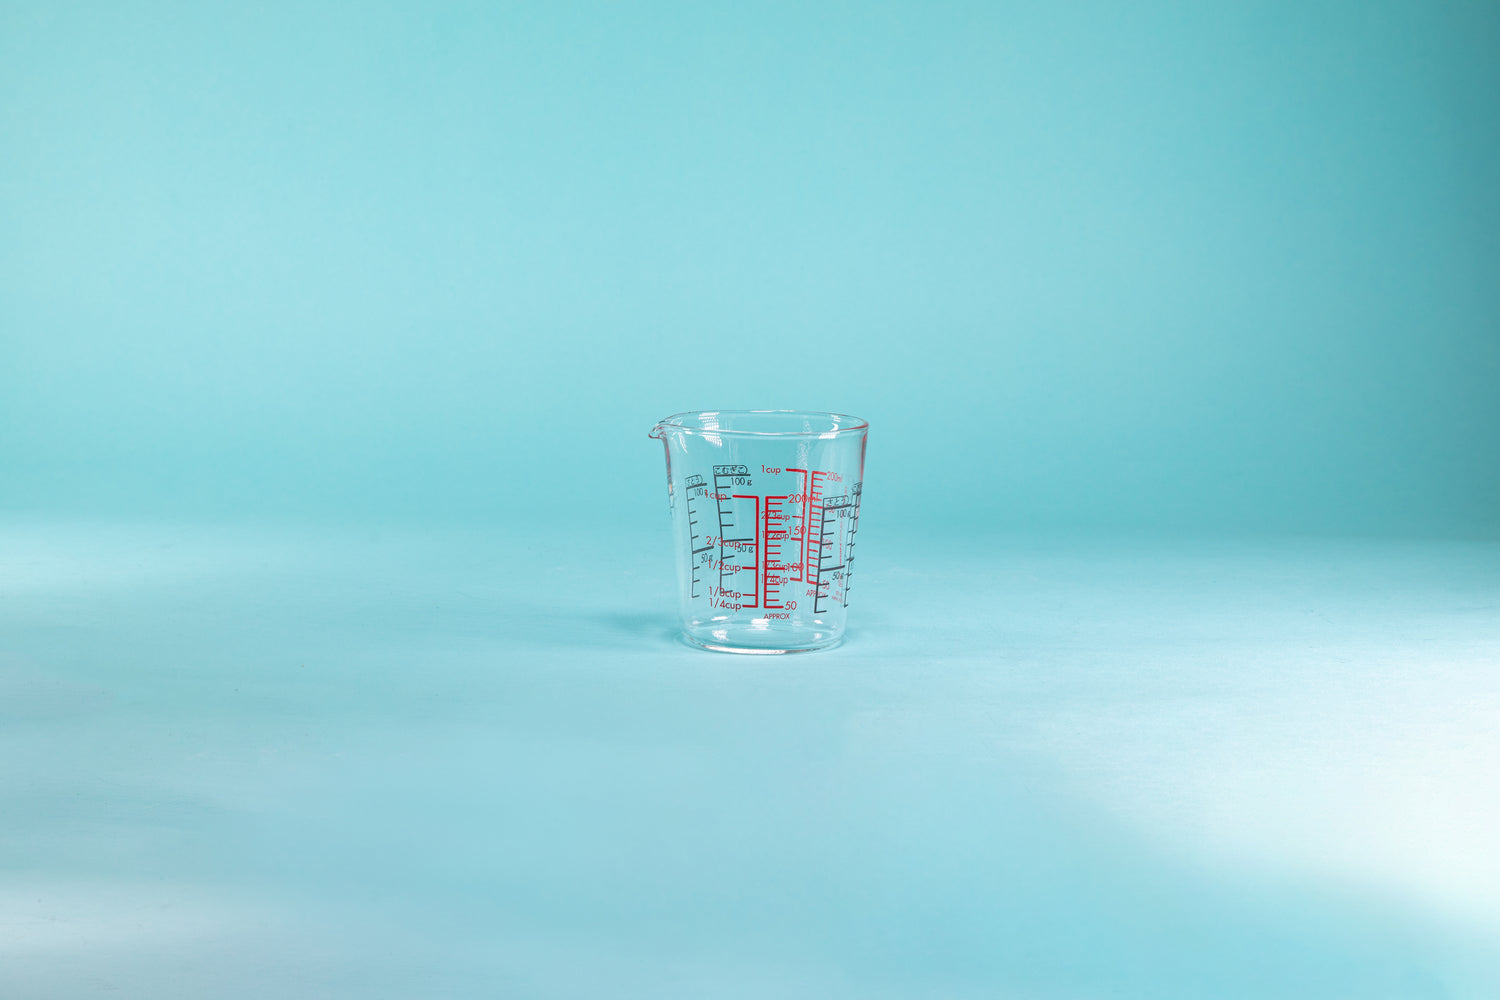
[1164,266]
[336,632]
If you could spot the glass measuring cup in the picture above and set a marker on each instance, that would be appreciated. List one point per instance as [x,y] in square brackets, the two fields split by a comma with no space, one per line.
[765,506]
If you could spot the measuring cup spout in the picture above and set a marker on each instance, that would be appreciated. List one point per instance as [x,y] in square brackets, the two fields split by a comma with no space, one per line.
[656,433]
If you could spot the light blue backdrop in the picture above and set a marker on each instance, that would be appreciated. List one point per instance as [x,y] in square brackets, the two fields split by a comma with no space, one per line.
[1163,266]
[434,269]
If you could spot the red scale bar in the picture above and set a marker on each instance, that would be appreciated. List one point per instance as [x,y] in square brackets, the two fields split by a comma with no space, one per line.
[813,498]
[799,573]
[773,535]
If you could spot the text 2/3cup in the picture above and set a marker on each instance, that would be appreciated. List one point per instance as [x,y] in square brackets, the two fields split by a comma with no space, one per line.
[765,510]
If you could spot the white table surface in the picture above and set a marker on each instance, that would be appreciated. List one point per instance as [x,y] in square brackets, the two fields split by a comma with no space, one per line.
[274,761]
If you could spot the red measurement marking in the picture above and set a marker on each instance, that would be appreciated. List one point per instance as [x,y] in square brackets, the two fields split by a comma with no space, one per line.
[800,572]
[755,571]
[812,498]
[773,534]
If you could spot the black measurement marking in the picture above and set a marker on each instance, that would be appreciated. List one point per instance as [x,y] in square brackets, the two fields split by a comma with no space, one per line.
[724,525]
[857,490]
[840,512]
[830,507]
[726,478]
[691,485]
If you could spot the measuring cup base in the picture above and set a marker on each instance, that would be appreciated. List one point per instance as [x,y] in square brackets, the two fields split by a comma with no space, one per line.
[728,645]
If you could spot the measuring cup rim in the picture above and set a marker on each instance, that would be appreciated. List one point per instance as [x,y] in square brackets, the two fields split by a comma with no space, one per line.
[857,426]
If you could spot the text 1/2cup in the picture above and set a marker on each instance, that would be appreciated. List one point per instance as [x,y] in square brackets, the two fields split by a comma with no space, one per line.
[765,509]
